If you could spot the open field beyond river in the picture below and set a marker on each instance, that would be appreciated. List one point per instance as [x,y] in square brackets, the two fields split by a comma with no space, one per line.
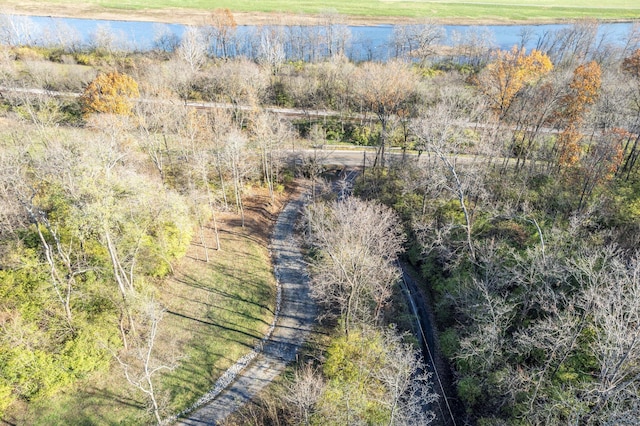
[357,11]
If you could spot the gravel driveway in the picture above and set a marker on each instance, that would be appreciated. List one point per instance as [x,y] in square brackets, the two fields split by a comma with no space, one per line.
[295,320]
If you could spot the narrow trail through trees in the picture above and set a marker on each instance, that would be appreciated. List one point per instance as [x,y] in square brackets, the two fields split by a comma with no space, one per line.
[292,324]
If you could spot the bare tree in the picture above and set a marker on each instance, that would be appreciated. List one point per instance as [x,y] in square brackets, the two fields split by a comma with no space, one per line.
[336,33]
[271,49]
[164,39]
[237,160]
[304,391]
[358,243]
[270,134]
[384,89]
[570,45]
[140,364]
[408,386]
[416,41]
[17,30]
[193,48]
[473,46]
[240,82]
[441,136]
[612,298]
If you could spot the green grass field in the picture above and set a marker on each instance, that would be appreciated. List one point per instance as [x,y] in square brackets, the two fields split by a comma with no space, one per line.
[453,9]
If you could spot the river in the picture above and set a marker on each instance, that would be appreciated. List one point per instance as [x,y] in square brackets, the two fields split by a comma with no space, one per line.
[361,42]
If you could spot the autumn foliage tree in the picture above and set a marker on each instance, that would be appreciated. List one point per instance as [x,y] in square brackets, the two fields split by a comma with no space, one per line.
[509,72]
[110,93]
[583,92]
[223,27]
[631,65]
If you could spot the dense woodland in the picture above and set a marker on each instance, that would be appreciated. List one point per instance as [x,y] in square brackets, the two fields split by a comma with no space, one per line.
[509,179]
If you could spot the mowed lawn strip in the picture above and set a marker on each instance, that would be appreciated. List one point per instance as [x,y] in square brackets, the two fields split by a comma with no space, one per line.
[501,10]
[225,307]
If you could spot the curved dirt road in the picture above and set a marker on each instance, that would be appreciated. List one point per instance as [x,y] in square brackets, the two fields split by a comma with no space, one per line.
[295,321]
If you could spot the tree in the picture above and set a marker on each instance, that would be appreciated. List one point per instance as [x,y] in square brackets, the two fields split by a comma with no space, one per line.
[417,41]
[240,82]
[473,47]
[336,34]
[358,242]
[408,386]
[16,30]
[583,92]
[570,44]
[631,67]
[631,64]
[193,48]
[612,298]
[165,40]
[270,134]
[440,135]
[508,73]
[110,93]
[384,89]
[501,82]
[271,49]
[304,392]
[139,363]
[600,163]
[235,154]
[375,378]
[222,29]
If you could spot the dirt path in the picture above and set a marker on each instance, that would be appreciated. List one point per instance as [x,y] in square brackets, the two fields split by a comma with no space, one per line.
[295,321]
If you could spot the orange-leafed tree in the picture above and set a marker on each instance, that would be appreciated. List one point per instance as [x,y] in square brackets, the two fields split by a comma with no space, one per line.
[569,147]
[223,27]
[508,73]
[583,92]
[110,93]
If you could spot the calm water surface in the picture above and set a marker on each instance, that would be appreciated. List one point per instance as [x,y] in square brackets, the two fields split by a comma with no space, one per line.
[367,42]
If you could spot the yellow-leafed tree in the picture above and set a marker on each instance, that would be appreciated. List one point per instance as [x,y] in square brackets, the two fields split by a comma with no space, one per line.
[110,93]
[509,72]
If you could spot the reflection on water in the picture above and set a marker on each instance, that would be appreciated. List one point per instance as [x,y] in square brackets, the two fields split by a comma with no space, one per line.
[298,42]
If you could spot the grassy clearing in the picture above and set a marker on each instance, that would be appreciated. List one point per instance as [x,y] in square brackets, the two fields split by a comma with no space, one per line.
[455,9]
[217,310]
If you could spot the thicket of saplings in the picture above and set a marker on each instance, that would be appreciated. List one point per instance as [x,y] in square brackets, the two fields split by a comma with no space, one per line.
[520,201]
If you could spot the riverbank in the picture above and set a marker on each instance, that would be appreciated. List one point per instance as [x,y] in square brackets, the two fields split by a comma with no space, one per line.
[191,16]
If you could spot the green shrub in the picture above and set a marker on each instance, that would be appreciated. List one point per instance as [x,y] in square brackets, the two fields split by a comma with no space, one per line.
[83,354]
[84,59]
[6,397]
[449,342]
[469,391]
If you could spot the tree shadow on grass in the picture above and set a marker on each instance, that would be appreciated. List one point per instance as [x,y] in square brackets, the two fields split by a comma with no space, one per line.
[195,283]
[250,232]
[110,398]
[224,327]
